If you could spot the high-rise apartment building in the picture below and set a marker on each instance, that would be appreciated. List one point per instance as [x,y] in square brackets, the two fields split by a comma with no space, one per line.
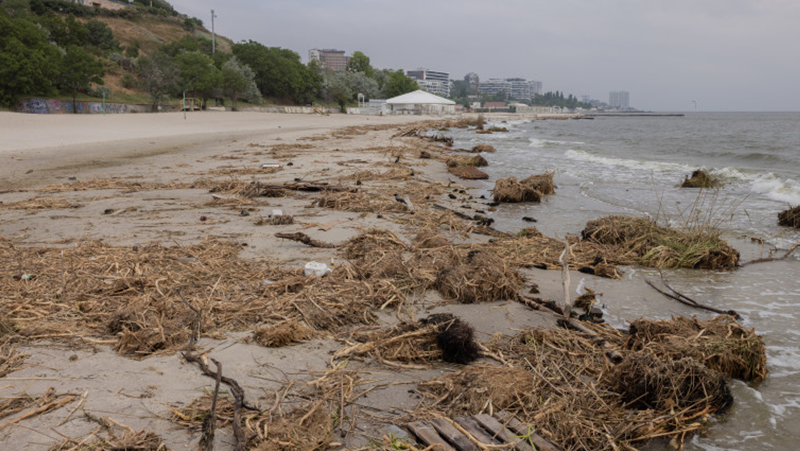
[331,59]
[619,99]
[433,81]
[513,88]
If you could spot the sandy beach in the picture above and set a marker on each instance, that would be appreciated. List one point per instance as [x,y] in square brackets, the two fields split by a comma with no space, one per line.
[43,155]
[130,236]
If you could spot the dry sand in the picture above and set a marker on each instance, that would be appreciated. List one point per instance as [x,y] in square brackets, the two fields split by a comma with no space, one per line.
[42,151]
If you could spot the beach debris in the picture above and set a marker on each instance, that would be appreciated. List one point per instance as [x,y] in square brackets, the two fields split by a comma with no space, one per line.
[642,241]
[683,299]
[24,276]
[647,381]
[439,336]
[529,219]
[468,172]
[282,334]
[530,189]
[455,338]
[790,217]
[721,344]
[700,179]
[305,239]
[475,160]
[482,276]
[316,269]
[483,148]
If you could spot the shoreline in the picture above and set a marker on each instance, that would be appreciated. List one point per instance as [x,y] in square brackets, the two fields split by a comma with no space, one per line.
[136,195]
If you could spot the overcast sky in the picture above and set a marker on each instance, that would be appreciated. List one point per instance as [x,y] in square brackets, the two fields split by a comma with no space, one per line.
[729,55]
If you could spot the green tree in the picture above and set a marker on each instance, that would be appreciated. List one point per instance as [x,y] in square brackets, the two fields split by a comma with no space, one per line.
[279,72]
[238,81]
[359,62]
[101,36]
[198,74]
[17,8]
[76,33]
[398,84]
[159,76]
[28,63]
[79,69]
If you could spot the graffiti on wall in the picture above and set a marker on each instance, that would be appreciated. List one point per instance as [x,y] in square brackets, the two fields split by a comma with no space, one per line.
[44,106]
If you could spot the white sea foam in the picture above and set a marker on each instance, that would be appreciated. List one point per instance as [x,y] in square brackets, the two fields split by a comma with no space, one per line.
[580,155]
[776,188]
[540,143]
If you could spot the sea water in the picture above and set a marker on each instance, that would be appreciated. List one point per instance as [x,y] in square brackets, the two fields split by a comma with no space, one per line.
[634,166]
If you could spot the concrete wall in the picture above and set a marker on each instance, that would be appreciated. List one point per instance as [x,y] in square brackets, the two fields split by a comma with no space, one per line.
[49,106]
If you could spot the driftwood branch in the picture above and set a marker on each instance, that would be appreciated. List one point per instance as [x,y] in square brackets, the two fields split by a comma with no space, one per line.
[210,421]
[564,260]
[309,186]
[538,303]
[772,259]
[685,300]
[305,239]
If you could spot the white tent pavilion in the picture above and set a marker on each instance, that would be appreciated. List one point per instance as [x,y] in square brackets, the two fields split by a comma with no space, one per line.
[421,102]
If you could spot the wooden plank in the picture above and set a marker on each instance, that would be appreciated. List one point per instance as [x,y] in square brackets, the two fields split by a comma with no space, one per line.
[477,431]
[454,436]
[429,436]
[521,429]
[507,435]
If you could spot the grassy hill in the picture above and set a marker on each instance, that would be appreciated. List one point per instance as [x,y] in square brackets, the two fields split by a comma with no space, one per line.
[149,32]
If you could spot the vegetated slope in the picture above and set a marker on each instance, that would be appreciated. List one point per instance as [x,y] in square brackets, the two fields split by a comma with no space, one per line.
[152,32]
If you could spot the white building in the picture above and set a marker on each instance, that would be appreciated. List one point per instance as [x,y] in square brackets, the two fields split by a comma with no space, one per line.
[619,100]
[433,81]
[513,88]
[420,102]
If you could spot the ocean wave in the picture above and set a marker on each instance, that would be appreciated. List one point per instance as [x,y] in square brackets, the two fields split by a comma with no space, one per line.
[541,143]
[776,188]
[580,155]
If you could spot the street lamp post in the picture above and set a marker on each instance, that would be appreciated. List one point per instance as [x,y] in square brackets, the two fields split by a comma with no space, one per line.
[213,36]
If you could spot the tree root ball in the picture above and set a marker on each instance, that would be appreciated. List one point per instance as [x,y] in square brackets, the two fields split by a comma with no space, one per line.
[455,338]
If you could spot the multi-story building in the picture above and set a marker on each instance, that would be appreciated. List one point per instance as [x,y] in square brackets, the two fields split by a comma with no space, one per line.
[619,100]
[331,59]
[513,88]
[494,86]
[435,82]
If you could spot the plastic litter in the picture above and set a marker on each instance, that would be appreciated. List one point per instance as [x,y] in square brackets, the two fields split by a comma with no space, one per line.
[317,269]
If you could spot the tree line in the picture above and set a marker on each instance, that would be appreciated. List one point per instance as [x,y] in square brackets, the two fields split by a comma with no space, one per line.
[45,50]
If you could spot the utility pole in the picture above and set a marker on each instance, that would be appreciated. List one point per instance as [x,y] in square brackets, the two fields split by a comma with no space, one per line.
[213,36]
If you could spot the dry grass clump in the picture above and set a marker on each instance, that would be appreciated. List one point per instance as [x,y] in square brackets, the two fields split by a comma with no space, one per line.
[541,182]
[146,326]
[483,148]
[439,336]
[361,202]
[649,382]
[652,245]
[700,179]
[510,190]
[10,359]
[531,189]
[721,344]
[101,184]
[481,277]
[468,172]
[307,428]
[472,389]
[40,204]
[129,440]
[282,334]
[790,217]
[532,249]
